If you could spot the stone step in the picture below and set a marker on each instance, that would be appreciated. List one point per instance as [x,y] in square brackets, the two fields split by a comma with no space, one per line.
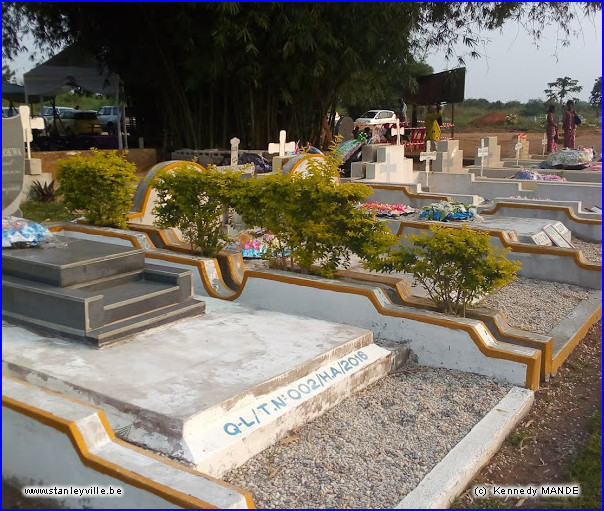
[116,331]
[110,281]
[72,261]
[135,298]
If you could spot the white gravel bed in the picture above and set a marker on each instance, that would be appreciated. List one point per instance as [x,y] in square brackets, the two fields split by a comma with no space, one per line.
[373,448]
[535,305]
[592,251]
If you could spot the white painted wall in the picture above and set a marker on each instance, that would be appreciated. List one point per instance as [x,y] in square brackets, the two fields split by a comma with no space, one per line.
[435,345]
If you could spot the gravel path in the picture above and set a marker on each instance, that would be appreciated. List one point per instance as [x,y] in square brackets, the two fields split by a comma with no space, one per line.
[374,447]
[592,251]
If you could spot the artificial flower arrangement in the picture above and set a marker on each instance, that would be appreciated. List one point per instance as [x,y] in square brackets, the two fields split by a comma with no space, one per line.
[391,210]
[254,243]
[449,211]
[533,175]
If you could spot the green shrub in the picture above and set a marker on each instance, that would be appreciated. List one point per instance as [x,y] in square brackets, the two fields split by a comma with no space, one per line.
[46,211]
[454,265]
[100,185]
[194,202]
[313,217]
[42,192]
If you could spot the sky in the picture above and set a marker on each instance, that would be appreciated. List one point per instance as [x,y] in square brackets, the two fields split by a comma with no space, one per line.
[513,68]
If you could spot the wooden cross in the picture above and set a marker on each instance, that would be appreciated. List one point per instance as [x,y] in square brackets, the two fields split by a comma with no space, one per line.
[518,148]
[282,147]
[398,131]
[427,156]
[543,144]
[482,152]
[235,151]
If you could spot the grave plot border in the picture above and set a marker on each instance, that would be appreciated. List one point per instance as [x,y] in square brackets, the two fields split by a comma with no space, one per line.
[151,480]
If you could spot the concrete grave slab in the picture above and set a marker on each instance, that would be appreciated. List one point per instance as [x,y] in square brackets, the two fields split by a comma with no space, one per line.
[213,390]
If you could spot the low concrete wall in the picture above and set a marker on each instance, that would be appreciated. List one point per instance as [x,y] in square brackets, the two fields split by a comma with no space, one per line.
[570,175]
[583,228]
[437,339]
[144,159]
[52,440]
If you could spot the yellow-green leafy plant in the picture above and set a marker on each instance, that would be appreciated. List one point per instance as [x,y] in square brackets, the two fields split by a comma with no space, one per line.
[314,217]
[194,201]
[456,266]
[101,186]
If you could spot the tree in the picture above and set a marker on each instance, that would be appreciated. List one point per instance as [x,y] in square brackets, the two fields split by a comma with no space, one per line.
[562,88]
[200,73]
[595,98]
[8,75]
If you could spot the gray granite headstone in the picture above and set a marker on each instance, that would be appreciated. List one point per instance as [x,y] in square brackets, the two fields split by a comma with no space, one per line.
[13,164]
[345,128]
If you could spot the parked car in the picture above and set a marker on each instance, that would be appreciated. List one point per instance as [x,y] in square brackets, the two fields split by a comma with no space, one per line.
[108,116]
[78,122]
[9,111]
[375,118]
[46,112]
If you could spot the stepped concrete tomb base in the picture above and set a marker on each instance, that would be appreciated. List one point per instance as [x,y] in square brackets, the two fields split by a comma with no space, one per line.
[210,391]
[98,293]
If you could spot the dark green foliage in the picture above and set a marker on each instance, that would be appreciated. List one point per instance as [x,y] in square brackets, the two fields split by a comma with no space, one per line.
[203,72]
[101,186]
[42,192]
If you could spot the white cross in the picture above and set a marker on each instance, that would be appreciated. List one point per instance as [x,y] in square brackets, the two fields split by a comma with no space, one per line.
[427,156]
[543,144]
[482,152]
[282,147]
[518,147]
[235,151]
[398,131]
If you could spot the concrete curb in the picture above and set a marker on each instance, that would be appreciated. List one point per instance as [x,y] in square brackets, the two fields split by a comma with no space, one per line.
[449,478]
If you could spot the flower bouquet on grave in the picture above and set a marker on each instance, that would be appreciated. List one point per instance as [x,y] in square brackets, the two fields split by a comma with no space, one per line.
[448,211]
[254,243]
[390,210]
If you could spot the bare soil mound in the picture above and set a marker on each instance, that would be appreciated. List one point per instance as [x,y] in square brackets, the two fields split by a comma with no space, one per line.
[490,119]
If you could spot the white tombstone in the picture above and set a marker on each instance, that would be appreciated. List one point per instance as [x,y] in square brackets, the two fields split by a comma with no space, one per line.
[397,132]
[543,144]
[235,151]
[427,156]
[282,147]
[391,166]
[518,148]
[482,153]
[493,158]
[449,158]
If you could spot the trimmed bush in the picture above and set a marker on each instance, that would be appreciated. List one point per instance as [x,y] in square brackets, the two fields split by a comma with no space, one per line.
[455,266]
[194,201]
[101,186]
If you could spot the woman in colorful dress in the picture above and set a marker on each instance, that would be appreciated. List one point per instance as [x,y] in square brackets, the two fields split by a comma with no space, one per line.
[569,126]
[552,130]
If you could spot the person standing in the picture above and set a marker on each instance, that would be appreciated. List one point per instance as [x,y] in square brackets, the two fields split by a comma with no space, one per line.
[432,126]
[569,126]
[551,130]
[402,111]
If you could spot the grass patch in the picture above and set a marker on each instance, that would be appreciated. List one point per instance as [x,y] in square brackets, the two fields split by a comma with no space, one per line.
[41,212]
[586,471]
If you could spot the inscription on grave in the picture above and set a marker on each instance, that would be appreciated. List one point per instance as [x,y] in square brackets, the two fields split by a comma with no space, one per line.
[13,163]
